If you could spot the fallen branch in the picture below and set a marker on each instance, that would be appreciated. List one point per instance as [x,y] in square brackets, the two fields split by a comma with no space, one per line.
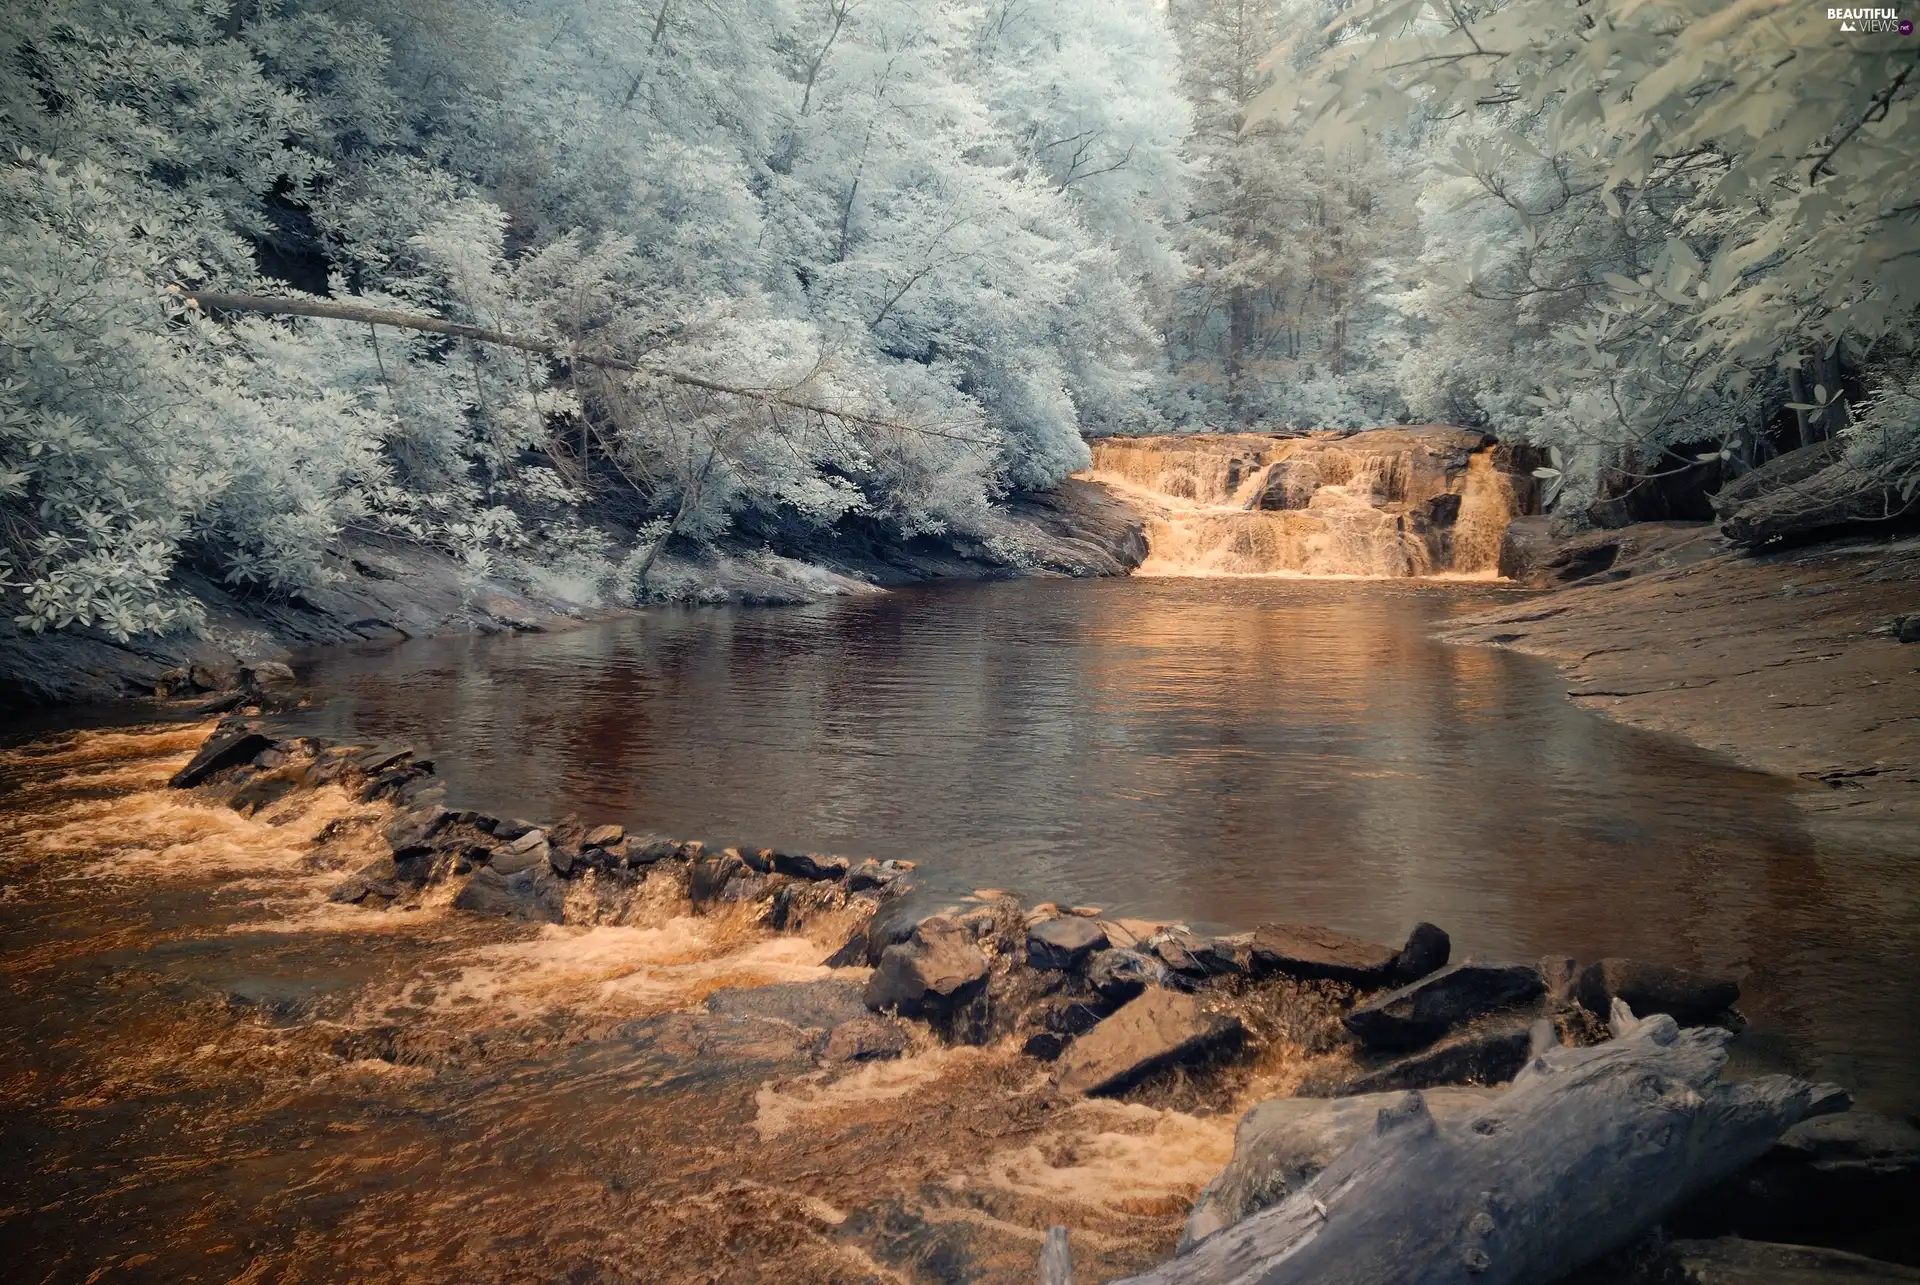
[278,307]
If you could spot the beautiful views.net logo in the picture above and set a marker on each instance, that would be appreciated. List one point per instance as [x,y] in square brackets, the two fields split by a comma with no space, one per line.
[1888,20]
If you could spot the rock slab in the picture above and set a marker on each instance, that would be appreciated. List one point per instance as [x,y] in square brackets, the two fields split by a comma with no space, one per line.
[1063,943]
[930,974]
[1309,953]
[1422,1012]
[1159,1030]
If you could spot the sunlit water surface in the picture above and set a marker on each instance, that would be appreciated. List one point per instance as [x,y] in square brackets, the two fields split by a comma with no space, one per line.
[1223,751]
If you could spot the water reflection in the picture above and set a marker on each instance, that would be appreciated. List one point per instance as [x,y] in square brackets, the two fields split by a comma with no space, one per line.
[1223,751]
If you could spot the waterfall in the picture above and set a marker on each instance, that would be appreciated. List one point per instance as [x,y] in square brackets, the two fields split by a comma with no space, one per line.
[1393,502]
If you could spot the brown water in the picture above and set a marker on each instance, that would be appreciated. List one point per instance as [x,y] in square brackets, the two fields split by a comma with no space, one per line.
[1223,751]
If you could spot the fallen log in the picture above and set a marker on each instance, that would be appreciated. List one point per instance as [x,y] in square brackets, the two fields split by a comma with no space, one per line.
[1586,1151]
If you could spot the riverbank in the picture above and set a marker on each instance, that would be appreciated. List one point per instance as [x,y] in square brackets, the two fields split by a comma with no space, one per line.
[1789,662]
[387,592]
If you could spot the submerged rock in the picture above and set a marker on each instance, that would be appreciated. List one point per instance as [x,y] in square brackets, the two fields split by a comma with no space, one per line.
[1158,1031]
[818,1005]
[1064,942]
[867,1039]
[933,973]
[1692,999]
[1425,1010]
[1309,953]
[532,893]
[1282,1143]
[1732,1261]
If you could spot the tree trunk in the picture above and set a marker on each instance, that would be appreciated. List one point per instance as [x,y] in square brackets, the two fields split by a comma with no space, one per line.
[1589,1148]
[1056,1259]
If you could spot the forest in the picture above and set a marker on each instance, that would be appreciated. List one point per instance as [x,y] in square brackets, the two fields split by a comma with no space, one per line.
[897,260]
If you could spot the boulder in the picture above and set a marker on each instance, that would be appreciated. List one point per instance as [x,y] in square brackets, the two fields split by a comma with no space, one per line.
[412,833]
[267,676]
[867,875]
[711,873]
[1491,1052]
[222,750]
[867,1039]
[1309,953]
[1160,1030]
[1732,1261]
[1427,950]
[603,836]
[1199,957]
[931,974]
[649,849]
[1692,999]
[1422,1012]
[1119,975]
[524,853]
[1280,1144]
[1851,1179]
[808,865]
[1062,943]
[532,893]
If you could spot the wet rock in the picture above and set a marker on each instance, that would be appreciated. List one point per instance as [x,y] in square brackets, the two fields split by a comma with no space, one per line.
[560,861]
[1044,1046]
[512,828]
[222,750]
[895,920]
[852,954]
[1282,1143]
[524,853]
[267,676]
[649,849]
[869,874]
[1062,943]
[532,893]
[412,833]
[711,873]
[1160,1030]
[1732,1261]
[1850,1179]
[1692,999]
[1492,1052]
[1560,974]
[603,836]
[262,792]
[867,1039]
[1427,950]
[809,865]
[1119,975]
[933,973]
[381,758]
[1309,953]
[378,879]
[1420,1013]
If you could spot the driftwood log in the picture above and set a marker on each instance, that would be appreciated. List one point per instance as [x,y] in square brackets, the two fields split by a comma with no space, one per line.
[1588,1149]
[1056,1259]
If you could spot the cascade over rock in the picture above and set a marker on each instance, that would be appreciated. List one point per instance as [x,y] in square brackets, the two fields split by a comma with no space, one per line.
[1414,501]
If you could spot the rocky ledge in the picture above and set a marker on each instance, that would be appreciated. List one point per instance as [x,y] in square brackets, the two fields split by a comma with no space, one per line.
[1144,1010]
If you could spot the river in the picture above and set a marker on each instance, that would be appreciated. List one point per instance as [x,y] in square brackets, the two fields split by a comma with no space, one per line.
[1226,751]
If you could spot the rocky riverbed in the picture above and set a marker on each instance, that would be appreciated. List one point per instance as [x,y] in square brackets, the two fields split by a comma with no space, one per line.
[277,1010]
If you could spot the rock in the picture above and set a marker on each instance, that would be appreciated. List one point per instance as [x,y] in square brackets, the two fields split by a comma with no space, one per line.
[512,829]
[1732,1261]
[649,849]
[1062,943]
[1420,1013]
[381,758]
[1427,951]
[711,873]
[1068,1015]
[1560,974]
[1852,1178]
[808,865]
[867,1039]
[1692,999]
[869,874]
[603,836]
[895,920]
[267,675]
[1280,1144]
[932,973]
[1119,975]
[1312,954]
[1160,1030]
[532,893]
[852,954]
[1490,1053]
[560,861]
[412,833]
[1044,1046]
[1906,629]
[524,853]
[222,750]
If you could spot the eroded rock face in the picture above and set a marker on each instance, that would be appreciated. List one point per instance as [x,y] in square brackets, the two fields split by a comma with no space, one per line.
[1158,1031]
[1692,999]
[931,974]
[1310,953]
[1422,1012]
[1064,942]
[1280,1144]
